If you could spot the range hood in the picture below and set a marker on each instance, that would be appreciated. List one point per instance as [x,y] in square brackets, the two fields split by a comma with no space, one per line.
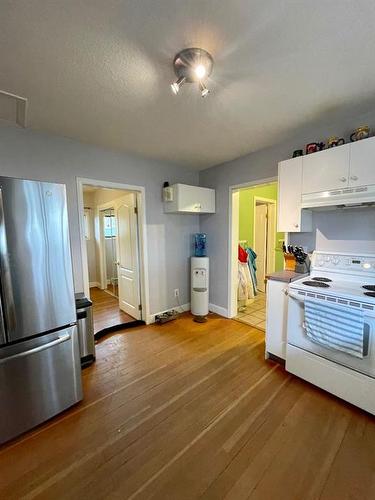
[350,197]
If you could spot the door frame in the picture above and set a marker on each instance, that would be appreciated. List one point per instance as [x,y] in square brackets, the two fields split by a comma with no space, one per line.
[233,238]
[142,237]
[259,200]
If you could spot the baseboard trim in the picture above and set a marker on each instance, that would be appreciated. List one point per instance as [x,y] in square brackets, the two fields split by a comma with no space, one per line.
[183,307]
[94,284]
[221,311]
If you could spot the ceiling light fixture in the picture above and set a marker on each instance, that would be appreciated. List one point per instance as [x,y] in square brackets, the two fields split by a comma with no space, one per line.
[175,86]
[204,90]
[192,66]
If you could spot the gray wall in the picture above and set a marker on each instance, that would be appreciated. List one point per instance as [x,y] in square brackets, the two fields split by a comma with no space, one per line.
[32,155]
[349,230]
[263,164]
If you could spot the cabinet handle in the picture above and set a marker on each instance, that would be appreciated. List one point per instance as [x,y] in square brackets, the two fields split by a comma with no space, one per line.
[343,179]
[296,225]
[354,178]
[285,291]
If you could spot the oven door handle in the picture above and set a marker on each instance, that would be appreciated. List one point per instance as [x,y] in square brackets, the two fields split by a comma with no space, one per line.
[295,296]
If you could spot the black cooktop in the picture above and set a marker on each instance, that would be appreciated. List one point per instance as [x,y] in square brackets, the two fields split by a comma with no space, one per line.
[369,287]
[317,284]
[323,280]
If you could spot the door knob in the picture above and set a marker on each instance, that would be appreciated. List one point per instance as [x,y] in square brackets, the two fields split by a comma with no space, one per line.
[354,178]
[343,179]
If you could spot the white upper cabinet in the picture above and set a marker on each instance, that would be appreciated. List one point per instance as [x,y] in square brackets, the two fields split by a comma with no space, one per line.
[326,170]
[191,200]
[291,218]
[362,162]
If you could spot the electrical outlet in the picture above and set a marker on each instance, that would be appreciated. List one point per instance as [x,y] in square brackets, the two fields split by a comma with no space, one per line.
[177,292]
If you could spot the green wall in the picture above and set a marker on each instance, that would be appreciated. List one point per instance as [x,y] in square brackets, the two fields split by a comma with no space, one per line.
[246,226]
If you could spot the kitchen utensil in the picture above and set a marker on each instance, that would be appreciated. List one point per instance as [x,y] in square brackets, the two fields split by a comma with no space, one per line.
[290,262]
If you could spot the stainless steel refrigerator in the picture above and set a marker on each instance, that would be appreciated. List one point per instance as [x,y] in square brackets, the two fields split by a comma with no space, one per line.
[40,373]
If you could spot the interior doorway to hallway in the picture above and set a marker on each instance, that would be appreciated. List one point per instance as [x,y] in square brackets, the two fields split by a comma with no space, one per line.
[264,240]
[256,250]
[113,261]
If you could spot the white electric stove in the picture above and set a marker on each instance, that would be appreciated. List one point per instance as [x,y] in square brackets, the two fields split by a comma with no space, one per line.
[343,279]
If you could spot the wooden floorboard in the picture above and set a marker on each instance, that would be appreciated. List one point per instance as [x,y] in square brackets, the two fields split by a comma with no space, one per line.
[106,311]
[186,410]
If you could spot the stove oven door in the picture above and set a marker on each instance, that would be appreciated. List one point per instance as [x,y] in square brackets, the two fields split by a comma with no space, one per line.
[298,338]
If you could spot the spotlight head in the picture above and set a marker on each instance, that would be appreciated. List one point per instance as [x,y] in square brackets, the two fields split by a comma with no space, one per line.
[175,86]
[204,90]
[200,71]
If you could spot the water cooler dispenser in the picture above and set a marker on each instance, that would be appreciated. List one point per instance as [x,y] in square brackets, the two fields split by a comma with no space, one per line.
[199,287]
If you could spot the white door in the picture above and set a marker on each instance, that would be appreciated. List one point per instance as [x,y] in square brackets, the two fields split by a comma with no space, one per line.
[362,171]
[260,244]
[127,253]
[271,238]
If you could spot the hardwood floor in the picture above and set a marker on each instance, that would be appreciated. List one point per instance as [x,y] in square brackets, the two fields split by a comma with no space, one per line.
[106,311]
[187,410]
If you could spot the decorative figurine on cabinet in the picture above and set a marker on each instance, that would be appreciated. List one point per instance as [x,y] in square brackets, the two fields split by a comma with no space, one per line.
[360,133]
[334,141]
[313,147]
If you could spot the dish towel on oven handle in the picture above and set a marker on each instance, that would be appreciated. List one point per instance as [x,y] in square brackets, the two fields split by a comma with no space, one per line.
[334,326]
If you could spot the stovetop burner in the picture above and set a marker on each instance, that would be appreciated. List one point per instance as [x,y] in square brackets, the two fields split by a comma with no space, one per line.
[369,294]
[317,284]
[369,287]
[323,280]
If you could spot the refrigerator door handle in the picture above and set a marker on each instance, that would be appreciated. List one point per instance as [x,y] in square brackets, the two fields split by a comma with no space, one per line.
[59,340]
[7,302]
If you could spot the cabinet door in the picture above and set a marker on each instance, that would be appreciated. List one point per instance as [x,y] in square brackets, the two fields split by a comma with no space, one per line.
[326,170]
[289,196]
[362,162]
[195,199]
[206,200]
[277,316]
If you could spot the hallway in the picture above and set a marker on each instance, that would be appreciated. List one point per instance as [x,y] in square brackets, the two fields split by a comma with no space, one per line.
[106,310]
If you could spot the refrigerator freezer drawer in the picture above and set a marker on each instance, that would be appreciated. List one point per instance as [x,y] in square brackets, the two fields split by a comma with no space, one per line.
[39,378]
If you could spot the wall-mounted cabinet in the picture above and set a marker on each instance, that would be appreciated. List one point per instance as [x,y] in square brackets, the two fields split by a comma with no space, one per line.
[326,170]
[348,166]
[291,218]
[345,166]
[190,200]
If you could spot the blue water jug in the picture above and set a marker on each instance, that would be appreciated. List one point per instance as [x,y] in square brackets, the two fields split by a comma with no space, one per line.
[200,245]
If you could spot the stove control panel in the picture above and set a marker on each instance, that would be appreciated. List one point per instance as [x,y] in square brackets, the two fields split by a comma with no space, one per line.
[351,263]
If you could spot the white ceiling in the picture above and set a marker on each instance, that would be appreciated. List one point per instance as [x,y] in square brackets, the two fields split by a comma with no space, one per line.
[99,71]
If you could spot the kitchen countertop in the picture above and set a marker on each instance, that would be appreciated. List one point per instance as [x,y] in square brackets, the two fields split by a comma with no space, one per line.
[285,276]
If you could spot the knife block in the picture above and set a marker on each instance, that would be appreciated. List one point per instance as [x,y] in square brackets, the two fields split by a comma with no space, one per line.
[290,262]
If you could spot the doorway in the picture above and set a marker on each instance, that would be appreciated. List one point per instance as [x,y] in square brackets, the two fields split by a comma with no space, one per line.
[108,223]
[113,254]
[256,250]
[264,239]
